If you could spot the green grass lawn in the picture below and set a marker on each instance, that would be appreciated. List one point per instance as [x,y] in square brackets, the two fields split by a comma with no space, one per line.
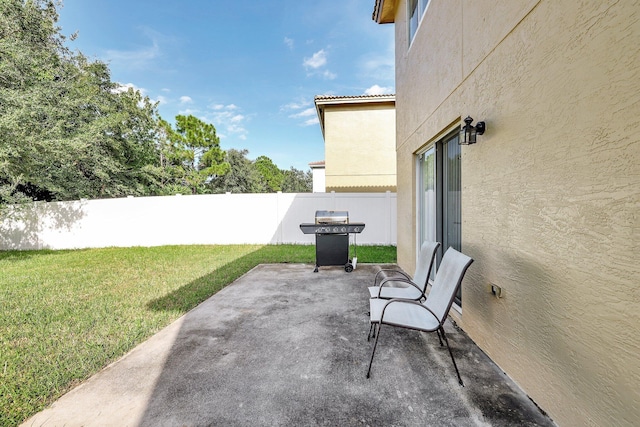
[66,314]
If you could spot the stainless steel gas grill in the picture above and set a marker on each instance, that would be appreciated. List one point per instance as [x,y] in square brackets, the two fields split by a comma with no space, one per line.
[332,229]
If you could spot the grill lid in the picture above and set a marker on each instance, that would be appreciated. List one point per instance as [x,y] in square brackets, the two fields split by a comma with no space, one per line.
[332,217]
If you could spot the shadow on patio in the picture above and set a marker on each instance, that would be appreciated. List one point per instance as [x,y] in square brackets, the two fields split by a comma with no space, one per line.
[284,346]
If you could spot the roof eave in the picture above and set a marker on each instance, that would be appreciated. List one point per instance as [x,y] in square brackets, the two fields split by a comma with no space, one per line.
[384,11]
[320,112]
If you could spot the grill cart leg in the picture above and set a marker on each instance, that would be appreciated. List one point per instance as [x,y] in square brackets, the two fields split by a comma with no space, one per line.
[351,263]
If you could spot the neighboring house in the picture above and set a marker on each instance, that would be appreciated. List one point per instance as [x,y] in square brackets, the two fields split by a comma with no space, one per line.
[317,172]
[359,142]
[547,201]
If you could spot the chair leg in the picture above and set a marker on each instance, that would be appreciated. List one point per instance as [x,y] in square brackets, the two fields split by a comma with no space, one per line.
[372,330]
[439,338]
[373,352]
[451,354]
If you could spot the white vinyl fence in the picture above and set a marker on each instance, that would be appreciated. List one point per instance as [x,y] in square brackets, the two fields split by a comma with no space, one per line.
[183,220]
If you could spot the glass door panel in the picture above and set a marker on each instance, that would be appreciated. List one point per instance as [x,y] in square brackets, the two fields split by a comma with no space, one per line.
[428,196]
[440,209]
[451,199]
[451,186]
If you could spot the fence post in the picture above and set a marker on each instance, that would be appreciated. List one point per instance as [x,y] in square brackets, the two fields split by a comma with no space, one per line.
[388,218]
[278,218]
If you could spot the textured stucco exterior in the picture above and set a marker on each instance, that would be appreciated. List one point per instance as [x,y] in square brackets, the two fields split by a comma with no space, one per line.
[359,139]
[550,193]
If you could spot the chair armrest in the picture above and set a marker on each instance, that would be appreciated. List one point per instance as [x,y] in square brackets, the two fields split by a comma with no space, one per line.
[387,271]
[401,280]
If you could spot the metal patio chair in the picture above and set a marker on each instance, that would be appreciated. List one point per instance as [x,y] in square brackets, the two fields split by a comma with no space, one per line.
[386,280]
[427,316]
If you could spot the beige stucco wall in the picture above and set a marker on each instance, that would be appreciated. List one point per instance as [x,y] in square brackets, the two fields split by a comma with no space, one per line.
[360,147]
[551,192]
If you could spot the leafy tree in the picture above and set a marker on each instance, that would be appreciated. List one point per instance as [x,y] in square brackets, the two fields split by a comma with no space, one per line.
[271,176]
[191,153]
[173,160]
[297,181]
[66,130]
[243,176]
[28,54]
[246,176]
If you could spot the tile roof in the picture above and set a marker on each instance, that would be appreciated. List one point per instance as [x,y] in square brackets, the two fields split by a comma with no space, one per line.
[334,97]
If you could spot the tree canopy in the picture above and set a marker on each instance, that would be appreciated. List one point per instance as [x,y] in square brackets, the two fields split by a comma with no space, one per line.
[67,131]
[271,176]
[297,181]
[259,176]
[191,154]
[242,177]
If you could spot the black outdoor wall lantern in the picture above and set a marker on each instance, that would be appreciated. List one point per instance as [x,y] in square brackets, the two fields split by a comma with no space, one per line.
[468,132]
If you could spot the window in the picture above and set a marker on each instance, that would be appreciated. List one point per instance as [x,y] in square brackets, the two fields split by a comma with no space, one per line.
[439,205]
[416,10]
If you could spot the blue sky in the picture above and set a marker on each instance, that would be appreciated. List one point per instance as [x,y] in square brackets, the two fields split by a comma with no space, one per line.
[251,68]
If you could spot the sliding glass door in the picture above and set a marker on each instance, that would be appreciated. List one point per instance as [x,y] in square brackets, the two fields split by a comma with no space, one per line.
[439,205]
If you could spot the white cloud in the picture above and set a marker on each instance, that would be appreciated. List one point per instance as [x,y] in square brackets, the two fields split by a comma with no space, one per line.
[160,100]
[143,57]
[228,121]
[329,75]
[186,100]
[296,105]
[126,86]
[237,130]
[315,65]
[319,59]
[378,90]
[304,113]
[311,122]
[379,65]
[301,110]
[139,58]
[288,42]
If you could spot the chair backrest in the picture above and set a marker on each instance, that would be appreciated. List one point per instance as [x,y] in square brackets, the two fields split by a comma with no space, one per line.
[448,279]
[425,264]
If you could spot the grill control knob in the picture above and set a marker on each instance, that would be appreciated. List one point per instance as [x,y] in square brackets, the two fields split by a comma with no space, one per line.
[343,229]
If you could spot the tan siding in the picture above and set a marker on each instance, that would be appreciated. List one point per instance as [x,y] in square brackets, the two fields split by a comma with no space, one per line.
[360,147]
[551,192]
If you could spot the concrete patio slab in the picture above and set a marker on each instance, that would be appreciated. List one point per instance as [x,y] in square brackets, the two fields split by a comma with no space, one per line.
[283,346]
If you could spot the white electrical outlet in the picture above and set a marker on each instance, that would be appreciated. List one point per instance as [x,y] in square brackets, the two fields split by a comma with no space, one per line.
[496,291]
